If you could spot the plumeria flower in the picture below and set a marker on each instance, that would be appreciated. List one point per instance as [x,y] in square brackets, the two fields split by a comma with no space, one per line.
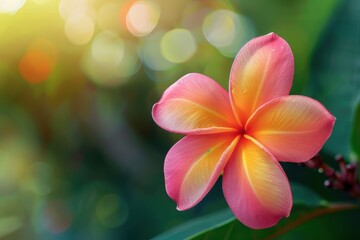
[242,134]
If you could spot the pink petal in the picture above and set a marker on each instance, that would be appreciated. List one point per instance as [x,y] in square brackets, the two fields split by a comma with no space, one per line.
[292,128]
[193,165]
[255,186]
[195,104]
[262,71]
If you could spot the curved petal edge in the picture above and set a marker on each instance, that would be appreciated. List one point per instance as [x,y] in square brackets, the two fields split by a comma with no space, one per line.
[262,70]
[195,104]
[256,187]
[293,128]
[193,165]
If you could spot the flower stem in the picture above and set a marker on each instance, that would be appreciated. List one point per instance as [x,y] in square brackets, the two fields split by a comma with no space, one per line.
[344,179]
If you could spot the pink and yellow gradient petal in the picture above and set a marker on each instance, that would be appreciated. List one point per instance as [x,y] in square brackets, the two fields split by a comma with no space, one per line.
[292,128]
[262,71]
[193,165]
[255,186]
[243,134]
[195,104]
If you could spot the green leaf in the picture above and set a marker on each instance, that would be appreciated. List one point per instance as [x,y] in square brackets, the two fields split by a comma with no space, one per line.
[335,74]
[305,202]
[199,225]
[303,195]
[224,223]
[332,222]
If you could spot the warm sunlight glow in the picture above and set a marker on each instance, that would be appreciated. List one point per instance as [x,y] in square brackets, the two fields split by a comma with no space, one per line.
[68,8]
[79,29]
[41,1]
[142,18]
[10,6]
[108,48]
[111,60]
[38,62]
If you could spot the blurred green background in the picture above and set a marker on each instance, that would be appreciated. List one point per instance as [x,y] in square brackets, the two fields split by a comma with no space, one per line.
[81,158]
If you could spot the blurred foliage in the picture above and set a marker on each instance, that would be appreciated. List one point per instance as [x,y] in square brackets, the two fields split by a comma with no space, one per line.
[304,223]
[80,157]
[309,213]
[221,224]
[310,219]
[335,76]
[199,226]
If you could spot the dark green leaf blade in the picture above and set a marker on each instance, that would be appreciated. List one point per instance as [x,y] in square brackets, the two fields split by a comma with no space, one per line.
[305,222]
[303,195]
[335,76]
[224,225]
[199,225]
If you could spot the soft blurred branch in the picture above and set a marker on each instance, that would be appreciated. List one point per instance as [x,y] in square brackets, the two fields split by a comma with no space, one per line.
[344,179]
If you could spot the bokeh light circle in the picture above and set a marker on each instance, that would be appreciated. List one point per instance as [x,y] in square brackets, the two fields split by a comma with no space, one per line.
[151,53]
[38,63]
[227,31]
[79,29]
[112,211]
[108,48]
[56,216]
[178,45]
[219,27]
[142,17]
[110,60]
[35,66]
[68,8]
[10,6]
[40,181]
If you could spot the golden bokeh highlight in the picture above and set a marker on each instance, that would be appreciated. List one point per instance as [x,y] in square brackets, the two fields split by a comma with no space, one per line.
[79,29]
[108,48]
[11,6]
[110,60]
[142,17]
[68,8]
[38,62]
[40,2]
